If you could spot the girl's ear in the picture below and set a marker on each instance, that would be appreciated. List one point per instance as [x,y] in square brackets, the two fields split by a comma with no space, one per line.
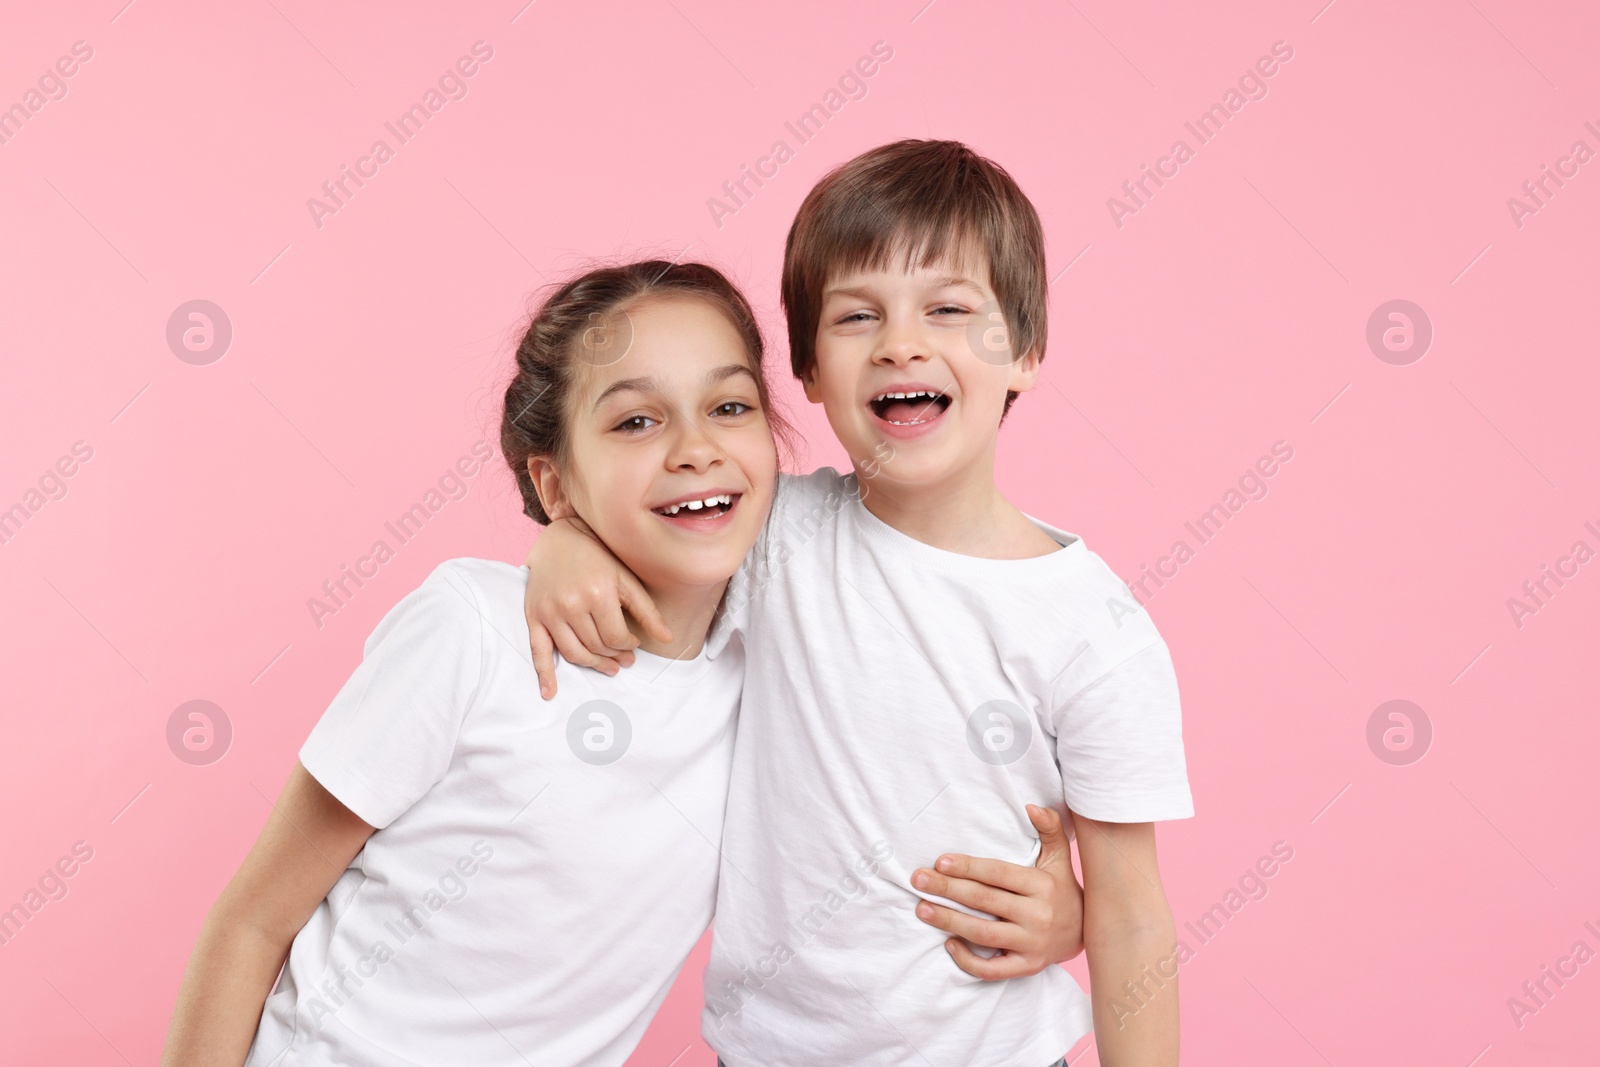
[547,483]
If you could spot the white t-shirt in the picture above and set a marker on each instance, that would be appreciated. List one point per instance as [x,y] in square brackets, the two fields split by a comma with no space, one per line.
[523,899]
[902,701]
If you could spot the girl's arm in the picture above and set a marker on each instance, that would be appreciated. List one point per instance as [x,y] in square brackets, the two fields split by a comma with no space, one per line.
[1130,941]
[308,842]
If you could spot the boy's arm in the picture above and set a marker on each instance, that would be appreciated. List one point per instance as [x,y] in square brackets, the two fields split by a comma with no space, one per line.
[1130,940]
[1038,909]
[308,842]
[577,591]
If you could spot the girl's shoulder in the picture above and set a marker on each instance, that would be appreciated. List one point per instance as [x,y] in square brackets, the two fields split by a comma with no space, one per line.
[484,593]
[456,604]
[485,578]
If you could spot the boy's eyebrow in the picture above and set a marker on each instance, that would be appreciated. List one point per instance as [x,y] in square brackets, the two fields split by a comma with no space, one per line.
[855,291]
[958,280]
[945,282]
[652,384]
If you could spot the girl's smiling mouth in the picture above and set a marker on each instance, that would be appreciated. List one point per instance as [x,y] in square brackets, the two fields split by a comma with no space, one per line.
[707,511]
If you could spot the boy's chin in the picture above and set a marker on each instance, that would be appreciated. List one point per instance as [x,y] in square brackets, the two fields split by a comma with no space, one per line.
[906,467]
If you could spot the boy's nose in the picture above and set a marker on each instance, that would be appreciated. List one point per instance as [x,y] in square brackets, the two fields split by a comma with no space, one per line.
[902,343]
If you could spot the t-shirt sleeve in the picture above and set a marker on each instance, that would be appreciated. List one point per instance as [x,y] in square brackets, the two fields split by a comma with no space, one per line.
[391,731]
[1119,739]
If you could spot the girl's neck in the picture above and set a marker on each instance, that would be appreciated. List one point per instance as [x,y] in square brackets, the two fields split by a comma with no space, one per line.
[688,612]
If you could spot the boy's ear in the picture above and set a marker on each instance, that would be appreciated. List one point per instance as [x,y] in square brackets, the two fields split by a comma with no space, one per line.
[1025,370]
[547,483]
[808,378]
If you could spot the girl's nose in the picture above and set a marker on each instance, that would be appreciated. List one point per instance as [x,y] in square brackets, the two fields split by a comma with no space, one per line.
[691,449]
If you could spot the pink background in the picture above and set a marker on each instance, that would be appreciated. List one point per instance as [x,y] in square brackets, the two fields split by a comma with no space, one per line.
[1227,314]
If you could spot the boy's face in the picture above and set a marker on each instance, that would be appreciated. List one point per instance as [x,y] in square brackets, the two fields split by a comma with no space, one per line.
[935,332]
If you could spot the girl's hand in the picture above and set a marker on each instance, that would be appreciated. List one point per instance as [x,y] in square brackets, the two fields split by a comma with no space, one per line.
[1039,908]
[577,591]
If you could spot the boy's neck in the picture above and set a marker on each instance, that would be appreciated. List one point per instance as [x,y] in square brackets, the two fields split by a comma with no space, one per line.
[687,612]
[965,514]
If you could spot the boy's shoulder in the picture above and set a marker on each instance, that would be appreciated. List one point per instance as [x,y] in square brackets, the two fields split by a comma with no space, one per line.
[1094,622]
[805,502]
[1083,577]
[822,484]
[1073,584]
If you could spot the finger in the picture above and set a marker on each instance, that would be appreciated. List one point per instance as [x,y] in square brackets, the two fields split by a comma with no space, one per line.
[1054,852]
[1010,965]
[574,652]
[1009,876]
[991,933]
[641,607]
[544,660]
[589,633]
[613,628]
[978,895]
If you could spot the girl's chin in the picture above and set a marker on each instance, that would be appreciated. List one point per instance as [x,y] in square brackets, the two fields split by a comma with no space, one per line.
[703,575]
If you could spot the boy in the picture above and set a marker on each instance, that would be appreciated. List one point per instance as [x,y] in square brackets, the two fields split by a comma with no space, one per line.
[923,660]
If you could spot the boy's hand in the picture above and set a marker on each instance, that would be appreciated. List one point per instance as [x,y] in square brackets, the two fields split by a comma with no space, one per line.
[1039,908]
[577,591]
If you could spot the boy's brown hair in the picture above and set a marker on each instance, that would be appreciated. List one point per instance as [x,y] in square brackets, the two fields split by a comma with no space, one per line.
[922,201]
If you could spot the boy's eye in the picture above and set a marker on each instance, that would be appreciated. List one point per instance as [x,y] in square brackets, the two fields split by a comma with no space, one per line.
[954,309]
[855,316]
[634,424]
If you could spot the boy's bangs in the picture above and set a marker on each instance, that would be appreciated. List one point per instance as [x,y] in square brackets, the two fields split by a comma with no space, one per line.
[918,239]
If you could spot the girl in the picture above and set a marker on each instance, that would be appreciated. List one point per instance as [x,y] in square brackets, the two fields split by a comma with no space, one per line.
[467,874]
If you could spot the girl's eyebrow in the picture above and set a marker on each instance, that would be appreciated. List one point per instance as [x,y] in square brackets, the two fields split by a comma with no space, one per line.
[652,384]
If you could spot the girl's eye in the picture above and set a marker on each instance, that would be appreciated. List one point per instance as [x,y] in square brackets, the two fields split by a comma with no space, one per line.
[952,308]
[729,408]
[855,316]
[634,424]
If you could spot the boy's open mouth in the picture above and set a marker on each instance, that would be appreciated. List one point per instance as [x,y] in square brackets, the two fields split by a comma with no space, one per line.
[699,509]
[909,408]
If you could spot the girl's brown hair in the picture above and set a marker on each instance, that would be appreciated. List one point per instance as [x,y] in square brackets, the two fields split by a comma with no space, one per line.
[583,319]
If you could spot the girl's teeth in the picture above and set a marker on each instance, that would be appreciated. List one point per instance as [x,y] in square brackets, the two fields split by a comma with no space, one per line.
[698,505]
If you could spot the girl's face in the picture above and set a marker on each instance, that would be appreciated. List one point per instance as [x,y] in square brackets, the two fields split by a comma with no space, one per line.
[676,421]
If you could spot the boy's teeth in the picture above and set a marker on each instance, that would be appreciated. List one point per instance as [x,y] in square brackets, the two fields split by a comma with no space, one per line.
[910,408]
[698,505]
